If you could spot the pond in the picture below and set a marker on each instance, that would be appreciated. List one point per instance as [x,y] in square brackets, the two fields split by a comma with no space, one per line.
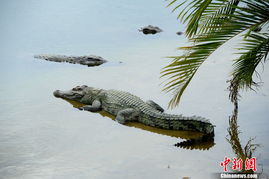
[45,137]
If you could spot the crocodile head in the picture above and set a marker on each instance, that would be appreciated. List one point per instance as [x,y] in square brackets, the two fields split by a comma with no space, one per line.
[82,94]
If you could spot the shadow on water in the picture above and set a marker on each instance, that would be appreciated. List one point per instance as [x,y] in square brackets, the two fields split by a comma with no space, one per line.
[194,140]
[234,140]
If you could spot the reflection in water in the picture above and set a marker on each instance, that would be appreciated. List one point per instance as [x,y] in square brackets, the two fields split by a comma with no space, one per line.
[233,139]
[195,140]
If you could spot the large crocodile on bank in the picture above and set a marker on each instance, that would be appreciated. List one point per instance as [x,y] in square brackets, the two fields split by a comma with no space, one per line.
[127,107]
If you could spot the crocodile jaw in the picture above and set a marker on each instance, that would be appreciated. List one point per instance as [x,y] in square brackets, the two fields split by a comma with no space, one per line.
[72,95]
[58,94]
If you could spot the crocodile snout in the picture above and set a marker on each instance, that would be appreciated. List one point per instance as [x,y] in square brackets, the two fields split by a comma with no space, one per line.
[57,93]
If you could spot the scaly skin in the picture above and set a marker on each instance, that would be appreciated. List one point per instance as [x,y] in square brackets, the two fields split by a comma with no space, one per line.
[127,107]
[90,60]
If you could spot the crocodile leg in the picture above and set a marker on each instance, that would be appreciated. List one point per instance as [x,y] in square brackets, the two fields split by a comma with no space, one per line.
[96,106]
[155,105]
[126,115]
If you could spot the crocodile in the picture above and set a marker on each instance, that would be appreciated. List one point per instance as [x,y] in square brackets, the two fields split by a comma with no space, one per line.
[127,107]
[89,60]
[150,30]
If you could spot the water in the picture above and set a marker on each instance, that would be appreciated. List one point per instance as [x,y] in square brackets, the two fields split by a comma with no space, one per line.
[45,137]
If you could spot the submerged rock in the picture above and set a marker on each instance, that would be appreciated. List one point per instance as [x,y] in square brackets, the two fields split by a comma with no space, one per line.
[90,60]
[150,29]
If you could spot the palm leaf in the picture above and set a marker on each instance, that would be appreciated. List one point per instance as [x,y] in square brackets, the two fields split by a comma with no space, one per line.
[256,49]
[210,25]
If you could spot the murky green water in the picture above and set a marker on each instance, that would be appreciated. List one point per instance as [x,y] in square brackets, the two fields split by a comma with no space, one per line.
[45,137]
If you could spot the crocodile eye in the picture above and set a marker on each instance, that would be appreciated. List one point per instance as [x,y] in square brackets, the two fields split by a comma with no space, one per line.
[78,88]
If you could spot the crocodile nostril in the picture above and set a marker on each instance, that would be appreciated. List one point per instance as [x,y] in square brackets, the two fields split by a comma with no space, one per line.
[56,93]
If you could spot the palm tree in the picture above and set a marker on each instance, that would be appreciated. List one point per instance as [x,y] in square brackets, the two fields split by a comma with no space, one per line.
[211,24]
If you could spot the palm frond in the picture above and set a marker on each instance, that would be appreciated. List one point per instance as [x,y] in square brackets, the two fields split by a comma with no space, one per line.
[211,24]
[198,13]
[256,50]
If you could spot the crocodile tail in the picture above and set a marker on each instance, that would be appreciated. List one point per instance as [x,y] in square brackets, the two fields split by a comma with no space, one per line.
[197,124]
[177,122]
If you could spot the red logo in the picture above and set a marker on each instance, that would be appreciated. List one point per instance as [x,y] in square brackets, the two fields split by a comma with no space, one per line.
[225,163]
[251,164]
[237,164]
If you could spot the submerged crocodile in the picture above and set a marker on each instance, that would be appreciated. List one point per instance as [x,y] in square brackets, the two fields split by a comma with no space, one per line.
[127,107]
[150,30]
[90,60]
